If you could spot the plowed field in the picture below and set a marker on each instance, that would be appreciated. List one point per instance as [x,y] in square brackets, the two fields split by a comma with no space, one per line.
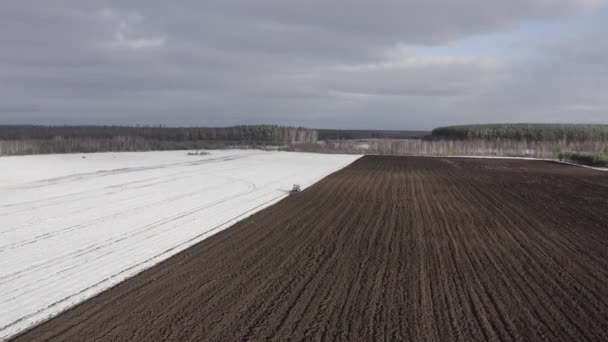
[389,248]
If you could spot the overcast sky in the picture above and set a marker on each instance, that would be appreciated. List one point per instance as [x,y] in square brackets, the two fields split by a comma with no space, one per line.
[384,64]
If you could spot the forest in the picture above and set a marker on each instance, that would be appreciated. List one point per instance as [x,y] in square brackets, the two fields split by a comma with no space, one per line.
[580,143]
[25,139]
[346,134]
[524,132]
[453,147]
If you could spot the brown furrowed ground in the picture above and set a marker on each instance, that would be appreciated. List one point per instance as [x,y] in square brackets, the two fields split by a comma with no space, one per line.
[390,248]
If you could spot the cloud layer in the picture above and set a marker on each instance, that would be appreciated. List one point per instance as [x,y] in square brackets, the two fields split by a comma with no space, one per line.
[351,64]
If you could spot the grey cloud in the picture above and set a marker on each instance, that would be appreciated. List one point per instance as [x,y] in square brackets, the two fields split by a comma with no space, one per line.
[314,63]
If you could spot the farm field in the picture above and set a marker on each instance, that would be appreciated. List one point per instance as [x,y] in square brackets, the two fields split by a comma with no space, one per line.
[74,225]
[389,248]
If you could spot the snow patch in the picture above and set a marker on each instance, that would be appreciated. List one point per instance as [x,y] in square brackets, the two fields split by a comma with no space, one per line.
[72,227]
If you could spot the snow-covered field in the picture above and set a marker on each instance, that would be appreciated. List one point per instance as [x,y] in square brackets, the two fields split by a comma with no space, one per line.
[74,225]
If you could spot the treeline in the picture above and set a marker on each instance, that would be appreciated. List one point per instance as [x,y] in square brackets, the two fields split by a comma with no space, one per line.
[472,147]
[15,140]
[259,134]
[524,132]
[591,159]
[340,134]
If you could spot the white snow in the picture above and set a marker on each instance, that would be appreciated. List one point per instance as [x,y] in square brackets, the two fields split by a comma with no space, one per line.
[73,225]
[528,158]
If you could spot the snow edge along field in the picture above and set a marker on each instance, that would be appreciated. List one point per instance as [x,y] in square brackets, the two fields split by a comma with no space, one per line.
[500,157]
[529,158]
[299,162]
